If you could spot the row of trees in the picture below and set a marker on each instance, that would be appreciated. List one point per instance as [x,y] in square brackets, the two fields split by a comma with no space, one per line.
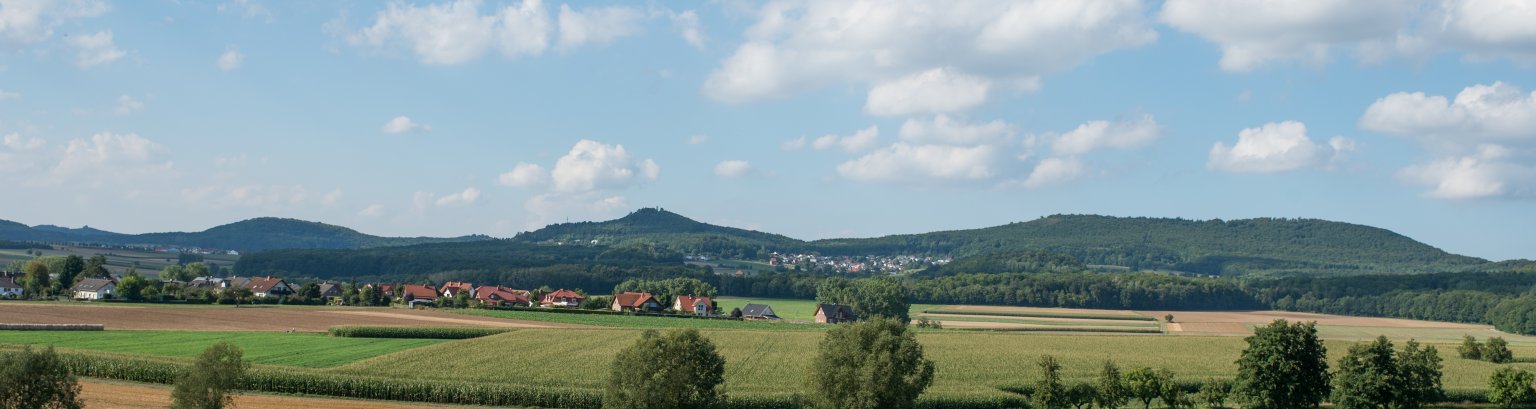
[1496,350]
[38,274]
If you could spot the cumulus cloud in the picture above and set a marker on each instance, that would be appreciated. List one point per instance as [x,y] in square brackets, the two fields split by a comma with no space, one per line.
[1055,171]
[945,130]
[598,26]
[524,175]
[934,91]
[793,144]
[733,168]
[1095,135]
[468,196]
[331,198]
[1274,147]
[95,49]
[698,139]
[246,8]
[861,140]
[455,33]
[592,165]
[109,155]
[903,163]
[373,210]
[796,46]
[403,124]
[230,60]
[30,22]
[1482,140]
[687,23]
[127,105]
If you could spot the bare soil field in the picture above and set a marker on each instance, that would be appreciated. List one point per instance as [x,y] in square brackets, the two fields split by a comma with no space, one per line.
[1074,321]
[1265,317]
[113,395]
[1010,325]
[229,318]
[1036,310]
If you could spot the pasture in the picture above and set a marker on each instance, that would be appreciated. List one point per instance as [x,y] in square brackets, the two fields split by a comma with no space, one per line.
[200,317]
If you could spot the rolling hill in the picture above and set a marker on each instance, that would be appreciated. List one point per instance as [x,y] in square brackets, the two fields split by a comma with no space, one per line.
[257,234]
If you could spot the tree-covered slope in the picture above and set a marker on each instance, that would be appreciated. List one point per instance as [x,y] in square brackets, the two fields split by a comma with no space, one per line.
[1264,245]
[264,233]
[665,229]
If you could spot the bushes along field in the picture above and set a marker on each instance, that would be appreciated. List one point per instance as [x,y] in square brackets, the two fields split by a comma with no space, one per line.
[415,332]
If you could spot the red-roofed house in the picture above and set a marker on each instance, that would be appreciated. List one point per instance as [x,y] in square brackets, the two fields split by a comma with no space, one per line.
[562,298]
[700,306]
[418,294]
[268,287]
[501,296]
[454,288]
[635,302]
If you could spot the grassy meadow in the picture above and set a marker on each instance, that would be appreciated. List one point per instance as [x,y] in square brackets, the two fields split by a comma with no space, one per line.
[307,350]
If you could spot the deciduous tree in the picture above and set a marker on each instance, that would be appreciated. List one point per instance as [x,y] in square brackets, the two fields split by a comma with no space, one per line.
[1470,348]
[1111,387]
[210,382]
[680,369]
[37,379]
[1284,366]
[1497,351]
[1049,392]
[1511,386]
[1367,377]
[867,365]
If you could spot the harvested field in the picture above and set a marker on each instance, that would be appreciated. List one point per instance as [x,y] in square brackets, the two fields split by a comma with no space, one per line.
[1265,317]
[1240,323]
[113,395]
[229,318]
[1037,310]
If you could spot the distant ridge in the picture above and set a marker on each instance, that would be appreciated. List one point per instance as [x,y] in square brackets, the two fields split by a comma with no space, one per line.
[264,233]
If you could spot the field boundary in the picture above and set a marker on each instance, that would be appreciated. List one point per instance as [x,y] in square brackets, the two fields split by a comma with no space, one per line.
[52,327]
[1041,315]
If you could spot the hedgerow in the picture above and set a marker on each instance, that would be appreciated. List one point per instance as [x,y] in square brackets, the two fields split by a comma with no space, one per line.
[415,332]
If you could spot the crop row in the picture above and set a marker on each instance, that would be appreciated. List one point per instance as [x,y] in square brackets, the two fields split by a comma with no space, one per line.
[415,332]
[1115,317]
[1125,330]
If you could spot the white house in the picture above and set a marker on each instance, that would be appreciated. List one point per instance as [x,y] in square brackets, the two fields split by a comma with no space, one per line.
[9,288]
[94,289]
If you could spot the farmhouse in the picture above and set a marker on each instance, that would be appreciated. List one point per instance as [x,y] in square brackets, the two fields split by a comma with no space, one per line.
[562,298]
[501,296]
[329,290]
[415,294]
[758,312]
[700,306]
[454,288]
[9,288]
[635,302]
[94,289]
[207,283]
[834,314]
[268,287]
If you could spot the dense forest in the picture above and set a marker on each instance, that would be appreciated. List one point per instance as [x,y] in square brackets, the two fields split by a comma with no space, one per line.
[250,235]
[662,228]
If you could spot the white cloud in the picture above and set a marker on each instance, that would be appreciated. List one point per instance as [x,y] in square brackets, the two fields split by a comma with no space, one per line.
[592,165]
[1095,135]
[945,130]
[110,156]
[698,139]
[9,95]
[127,105]
[96,49]
[331,198]
[466,197]
[798,45]
[733,168]
[269,197]
[230,60]
[904,163]
[373,210]
[20,155]
[524,175]
[24,22]
[455,33]
[597,26]
[403,124]
[1483,140]
[1055,171]
[1480,113]
[1484,29]
[934,91]
[793,144]
[687,23]
[1274,147]
[1486,173]
[861,140]
[247,8]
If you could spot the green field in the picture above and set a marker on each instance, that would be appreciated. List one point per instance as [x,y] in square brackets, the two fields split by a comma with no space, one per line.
[1023,320]
[775,363]
[628,321]
[789,309]
[272,348]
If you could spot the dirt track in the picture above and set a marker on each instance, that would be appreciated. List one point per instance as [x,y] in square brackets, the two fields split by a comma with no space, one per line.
[228,318]
[111,394]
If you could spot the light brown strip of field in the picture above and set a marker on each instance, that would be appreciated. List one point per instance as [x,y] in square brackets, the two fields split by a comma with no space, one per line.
[1265,317]
[114,395]
[228,318]
[1036,310]
[1009,325]
[1081,321]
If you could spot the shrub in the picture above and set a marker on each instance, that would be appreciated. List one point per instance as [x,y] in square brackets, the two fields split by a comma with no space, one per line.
[211,381]
[1213,394]
[415,332]
[31,379]
[1510,386]
[1470,348]
[678,370]
[1497,351]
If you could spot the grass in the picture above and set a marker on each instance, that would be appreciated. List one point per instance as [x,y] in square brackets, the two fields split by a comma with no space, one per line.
[1022,320]
[273,348]
[629,321]
[1117,317]
[760,363]
[790,309]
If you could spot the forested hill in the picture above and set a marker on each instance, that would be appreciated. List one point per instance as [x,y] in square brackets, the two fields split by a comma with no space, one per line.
[250,235]
[670,230]
[1265,245]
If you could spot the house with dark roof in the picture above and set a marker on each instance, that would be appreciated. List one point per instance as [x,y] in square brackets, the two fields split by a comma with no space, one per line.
[642,302]
[833,314]
[562,298]
[268,287]
[10,289]
[416,294]
[758,312]
[94,289]
[330,290]
[454,288]
[700,306]
[501,296]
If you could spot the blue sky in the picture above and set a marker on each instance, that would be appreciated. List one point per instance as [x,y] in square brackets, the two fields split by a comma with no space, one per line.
[810,119]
